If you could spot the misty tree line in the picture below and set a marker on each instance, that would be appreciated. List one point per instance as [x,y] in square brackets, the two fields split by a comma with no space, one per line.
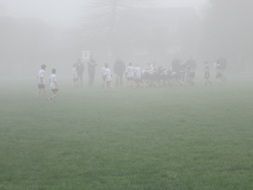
[229,28]
[131,29]
[226,31]
[124,28]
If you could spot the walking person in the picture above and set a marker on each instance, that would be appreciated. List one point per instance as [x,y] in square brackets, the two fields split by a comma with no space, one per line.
[42,80]
[53,85]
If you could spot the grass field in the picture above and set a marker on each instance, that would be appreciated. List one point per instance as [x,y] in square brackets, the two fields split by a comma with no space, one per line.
[139,139]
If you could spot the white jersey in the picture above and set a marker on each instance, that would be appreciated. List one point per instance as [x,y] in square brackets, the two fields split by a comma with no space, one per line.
[130,72]
[41,76]
[53,82]
[137,73]
[108,75]
[151,69]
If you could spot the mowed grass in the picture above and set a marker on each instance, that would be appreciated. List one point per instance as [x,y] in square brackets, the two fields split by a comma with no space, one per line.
[135,139]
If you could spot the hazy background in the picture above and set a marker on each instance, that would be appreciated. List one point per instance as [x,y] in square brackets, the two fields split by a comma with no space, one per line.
[54,32]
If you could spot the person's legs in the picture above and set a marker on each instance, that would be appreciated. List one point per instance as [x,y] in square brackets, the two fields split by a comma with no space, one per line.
[54,94]
[117,81]
[42,89]
[81,80]
[90,80]
[121,80]
[108,84]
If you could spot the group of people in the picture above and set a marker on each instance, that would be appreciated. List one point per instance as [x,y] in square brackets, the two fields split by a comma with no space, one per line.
[178,73]
[134,74]
[78,72]
[220,67]
[52,82]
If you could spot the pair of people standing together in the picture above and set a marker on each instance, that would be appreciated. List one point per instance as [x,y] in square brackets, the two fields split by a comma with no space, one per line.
[42,83]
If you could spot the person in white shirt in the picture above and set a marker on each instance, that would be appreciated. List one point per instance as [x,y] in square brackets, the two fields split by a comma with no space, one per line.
[103,73]
[137,76]
[108,77]
[53,84]
[42,80]
[130,74]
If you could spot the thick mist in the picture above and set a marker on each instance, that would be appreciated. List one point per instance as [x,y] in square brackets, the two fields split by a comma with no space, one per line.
[55,32]
[126,94]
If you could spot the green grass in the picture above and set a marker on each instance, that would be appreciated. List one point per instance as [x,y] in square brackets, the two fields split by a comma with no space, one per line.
[140,139]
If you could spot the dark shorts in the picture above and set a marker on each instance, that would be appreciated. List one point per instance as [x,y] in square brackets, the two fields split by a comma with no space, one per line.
[130,78]
[55,90]
[41,86]
[138,80]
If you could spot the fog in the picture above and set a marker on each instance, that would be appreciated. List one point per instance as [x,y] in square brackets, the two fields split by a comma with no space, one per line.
[55,32]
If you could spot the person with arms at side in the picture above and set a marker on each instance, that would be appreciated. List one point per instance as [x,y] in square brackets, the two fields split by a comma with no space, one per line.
[91,71]
[53,85]
[108,77]
[42,80]
[80,72]
[119,70]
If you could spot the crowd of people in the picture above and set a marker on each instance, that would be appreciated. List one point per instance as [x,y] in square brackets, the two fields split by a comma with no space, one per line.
[177,73]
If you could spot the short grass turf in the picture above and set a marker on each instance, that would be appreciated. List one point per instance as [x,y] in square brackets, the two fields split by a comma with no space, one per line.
[135,139]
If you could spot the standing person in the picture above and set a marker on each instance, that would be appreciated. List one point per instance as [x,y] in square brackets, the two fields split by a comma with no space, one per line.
[103,72]
[138,76]
[207,74]
[130,74]
[42,80]
[190,67]
[74,74]
[53,84]
[108,77]
[176,70]
[80,71]
[220,69]
[91,71]
[119,70]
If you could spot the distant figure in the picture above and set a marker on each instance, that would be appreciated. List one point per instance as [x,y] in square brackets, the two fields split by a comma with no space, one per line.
[74,74]
[147,75]
[91,71]
[53,84]
[119,70]
[42,80]
[107,77]
[80,71]
[177,70]
[207,75]
[103,71]
[221,66]
[190,68]
[130,74]
[137,76]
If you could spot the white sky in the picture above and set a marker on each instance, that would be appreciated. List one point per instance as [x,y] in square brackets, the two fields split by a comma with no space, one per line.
[68,12]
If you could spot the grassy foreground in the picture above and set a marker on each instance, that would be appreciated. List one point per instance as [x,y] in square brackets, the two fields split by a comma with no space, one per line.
[140,139]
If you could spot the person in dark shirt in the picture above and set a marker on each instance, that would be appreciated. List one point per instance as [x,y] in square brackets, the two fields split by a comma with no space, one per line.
[119,69]
[80,71]
[91,71]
